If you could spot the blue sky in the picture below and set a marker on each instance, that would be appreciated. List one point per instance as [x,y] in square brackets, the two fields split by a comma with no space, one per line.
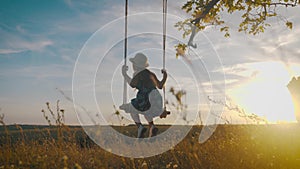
[40,42]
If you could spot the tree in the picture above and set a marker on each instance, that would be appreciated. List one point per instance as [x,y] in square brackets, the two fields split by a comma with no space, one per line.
[254,15]
[294,86]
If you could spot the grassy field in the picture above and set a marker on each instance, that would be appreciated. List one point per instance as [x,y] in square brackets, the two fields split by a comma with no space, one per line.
[231,146]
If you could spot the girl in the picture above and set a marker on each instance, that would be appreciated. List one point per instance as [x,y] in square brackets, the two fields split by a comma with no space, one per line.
[148,100]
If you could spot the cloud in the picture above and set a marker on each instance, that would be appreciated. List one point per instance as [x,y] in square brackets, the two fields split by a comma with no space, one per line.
[14,44]
[32,46]
[16,39]
[89,16]
[20,29]
[10,51]
[40,72]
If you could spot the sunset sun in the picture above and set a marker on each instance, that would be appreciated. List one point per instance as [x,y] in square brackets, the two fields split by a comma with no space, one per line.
[266,93]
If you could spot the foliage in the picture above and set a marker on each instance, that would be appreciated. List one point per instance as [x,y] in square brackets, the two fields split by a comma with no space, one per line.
[180,49]
[179,104]
[254,14]
[178,94]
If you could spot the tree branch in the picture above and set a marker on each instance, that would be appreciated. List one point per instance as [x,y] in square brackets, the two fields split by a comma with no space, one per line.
[207,8]
[283,4]
[277,3]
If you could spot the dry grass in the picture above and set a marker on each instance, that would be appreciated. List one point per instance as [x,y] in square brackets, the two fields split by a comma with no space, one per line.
[231,146]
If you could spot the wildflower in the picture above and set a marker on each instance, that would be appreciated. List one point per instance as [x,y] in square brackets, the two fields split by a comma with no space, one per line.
[144,165]
[168,165]
[65,158]
[77,166]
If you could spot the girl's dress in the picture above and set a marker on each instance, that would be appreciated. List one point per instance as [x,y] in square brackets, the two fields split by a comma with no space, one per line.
[148,100]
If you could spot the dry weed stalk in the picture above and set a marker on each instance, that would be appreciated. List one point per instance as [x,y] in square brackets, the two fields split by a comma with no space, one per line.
[240,112]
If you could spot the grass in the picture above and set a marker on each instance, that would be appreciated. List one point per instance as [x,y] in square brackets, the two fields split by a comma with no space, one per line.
[231,146]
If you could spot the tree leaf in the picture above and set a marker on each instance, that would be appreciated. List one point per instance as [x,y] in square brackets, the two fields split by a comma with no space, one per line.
[289,24]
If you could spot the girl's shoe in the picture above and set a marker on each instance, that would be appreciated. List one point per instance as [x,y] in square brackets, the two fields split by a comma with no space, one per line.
[164,114]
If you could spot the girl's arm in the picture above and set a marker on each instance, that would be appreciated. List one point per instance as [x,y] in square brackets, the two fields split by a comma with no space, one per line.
[161,83]
[124,73]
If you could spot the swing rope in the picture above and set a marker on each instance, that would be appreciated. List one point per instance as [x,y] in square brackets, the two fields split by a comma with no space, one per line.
[125,53]
[164,52]
[164,44]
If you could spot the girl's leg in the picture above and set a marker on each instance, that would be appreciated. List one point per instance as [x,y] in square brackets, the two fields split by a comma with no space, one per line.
[149,120]
[136,118]
[152,129]
[141,128]
[151,124]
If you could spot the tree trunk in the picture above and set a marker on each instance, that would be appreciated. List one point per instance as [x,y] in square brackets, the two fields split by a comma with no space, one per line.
[294,88]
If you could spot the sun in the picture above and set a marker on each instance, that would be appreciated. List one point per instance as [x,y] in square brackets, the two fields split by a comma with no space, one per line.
[266,93]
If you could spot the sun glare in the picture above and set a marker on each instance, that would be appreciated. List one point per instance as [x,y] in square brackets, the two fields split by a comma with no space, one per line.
[266,93]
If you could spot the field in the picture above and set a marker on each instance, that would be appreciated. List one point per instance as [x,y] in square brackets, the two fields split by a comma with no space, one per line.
[231,146]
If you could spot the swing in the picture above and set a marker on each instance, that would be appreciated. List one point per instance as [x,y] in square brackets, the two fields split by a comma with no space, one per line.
[165,111]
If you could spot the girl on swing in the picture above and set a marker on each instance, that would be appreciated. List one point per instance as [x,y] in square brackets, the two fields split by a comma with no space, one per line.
[148,100]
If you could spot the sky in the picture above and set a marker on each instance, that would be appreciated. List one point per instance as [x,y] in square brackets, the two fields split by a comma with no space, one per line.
[45,45]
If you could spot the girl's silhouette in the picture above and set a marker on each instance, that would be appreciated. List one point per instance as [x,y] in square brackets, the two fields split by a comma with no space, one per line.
[148,100]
